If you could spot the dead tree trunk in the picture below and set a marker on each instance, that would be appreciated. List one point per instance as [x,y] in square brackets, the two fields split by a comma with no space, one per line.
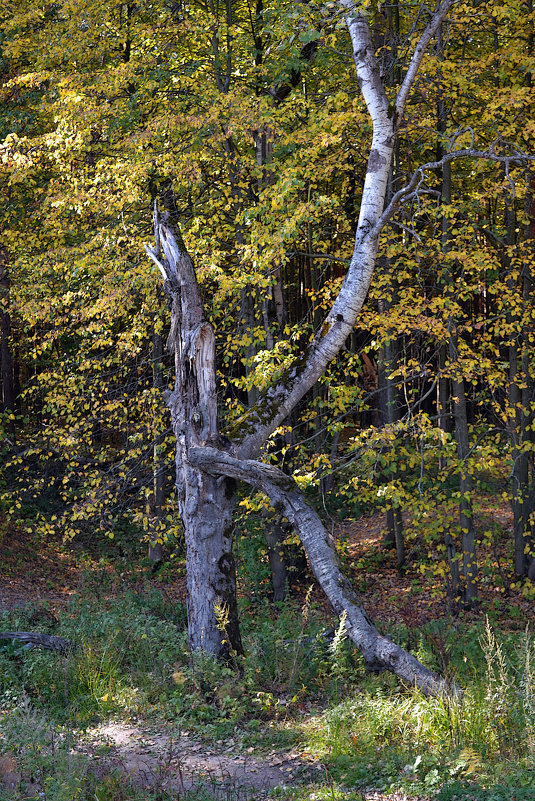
[205,502]
[206,470]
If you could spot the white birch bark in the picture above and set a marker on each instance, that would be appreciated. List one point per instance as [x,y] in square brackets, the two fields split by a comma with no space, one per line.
[278,401]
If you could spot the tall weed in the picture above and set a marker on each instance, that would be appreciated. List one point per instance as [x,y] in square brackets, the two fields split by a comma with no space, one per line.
[427,743]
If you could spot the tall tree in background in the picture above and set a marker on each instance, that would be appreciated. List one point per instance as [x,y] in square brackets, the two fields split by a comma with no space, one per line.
[7,378]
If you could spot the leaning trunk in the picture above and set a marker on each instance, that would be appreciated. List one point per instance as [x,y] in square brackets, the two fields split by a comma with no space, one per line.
[379,652]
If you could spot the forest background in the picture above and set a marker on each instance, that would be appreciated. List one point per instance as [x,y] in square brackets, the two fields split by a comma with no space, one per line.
[247,122]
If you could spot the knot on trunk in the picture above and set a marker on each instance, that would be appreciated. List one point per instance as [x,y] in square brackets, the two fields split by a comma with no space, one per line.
[226,564]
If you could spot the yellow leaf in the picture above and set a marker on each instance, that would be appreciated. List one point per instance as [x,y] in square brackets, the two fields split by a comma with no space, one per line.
[178,677]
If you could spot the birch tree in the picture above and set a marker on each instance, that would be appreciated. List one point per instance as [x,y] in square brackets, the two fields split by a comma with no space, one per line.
[208,463]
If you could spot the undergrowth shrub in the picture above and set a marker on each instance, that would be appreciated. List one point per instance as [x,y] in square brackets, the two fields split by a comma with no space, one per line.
[291,653]
[43,757]
[123,663]
[405,739]
[288,659]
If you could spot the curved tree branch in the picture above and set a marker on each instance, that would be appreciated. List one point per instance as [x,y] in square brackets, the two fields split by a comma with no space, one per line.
[278,401]
[411,188]
[379,652]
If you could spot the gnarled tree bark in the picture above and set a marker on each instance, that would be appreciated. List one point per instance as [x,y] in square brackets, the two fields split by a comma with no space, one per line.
[205,501]
[207,466]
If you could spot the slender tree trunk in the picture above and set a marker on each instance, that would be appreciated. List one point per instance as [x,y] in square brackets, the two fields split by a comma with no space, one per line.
[521,376]
[277,559]
[466,515]
[443,396]
[158,464]
[443,383]
[248,312]
[7,378]
[528,389]
[388,397]
[248,330]
[7,394]
[469,563]
[389,414]
[327,481]
[521,406]
[520,471]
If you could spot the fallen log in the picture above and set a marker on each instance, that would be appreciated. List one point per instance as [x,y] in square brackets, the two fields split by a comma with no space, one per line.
[33,639]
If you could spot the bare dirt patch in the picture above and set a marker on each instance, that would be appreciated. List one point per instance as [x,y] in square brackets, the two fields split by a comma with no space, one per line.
[173,761]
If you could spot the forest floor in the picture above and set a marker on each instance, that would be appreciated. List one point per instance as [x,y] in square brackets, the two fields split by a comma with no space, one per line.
[47,576]
[35,572]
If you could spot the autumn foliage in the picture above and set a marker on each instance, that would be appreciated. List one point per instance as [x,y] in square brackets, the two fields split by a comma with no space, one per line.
[248,120]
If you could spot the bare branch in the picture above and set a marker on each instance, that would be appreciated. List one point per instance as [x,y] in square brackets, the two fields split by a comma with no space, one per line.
[411,189]
[153,255]
[436,21]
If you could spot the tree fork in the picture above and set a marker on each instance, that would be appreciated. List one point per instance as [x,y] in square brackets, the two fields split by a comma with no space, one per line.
[205,496]
[379,652]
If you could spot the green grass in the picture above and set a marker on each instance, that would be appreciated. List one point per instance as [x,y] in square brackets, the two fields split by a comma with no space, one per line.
[123,664]
[480,746]
[368,731]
